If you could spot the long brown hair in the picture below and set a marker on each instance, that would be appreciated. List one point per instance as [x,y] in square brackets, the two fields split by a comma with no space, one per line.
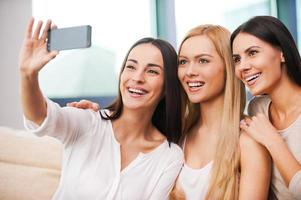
[167,115]
[224,174]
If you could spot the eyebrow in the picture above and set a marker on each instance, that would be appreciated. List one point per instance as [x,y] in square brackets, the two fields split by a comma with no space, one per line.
[148,64]
[135,61]
[198,55]
[248,49]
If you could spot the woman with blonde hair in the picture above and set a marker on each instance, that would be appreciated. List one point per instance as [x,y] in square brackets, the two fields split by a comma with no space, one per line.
[220,161]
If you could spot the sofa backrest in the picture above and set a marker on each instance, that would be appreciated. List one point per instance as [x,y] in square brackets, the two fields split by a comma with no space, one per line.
[29,165]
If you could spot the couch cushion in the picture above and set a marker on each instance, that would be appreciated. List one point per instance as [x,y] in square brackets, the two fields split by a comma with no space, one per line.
[29,165]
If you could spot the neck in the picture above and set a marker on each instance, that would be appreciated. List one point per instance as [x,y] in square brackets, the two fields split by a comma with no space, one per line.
[132,125]
[211,113]
[285,96]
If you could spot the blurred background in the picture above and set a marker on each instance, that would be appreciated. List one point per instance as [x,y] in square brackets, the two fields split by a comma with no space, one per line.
[116,24]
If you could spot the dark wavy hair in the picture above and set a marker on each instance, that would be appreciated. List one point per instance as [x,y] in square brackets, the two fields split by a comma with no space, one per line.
[274,32]
[167,115]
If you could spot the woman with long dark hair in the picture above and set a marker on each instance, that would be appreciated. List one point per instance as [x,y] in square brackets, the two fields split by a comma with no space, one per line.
[126,151]
[268,63]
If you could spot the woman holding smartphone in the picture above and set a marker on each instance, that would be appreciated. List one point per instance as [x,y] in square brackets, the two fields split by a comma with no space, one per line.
[268,63]
[125,151]
[219,158]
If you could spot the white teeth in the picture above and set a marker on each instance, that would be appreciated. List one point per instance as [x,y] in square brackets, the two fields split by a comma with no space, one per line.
[133,90]
[195,84]
[252,77]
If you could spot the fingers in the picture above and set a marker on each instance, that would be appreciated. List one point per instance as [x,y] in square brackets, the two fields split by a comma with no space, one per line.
[84,104]
[95,107]
[53,54]
[37,30]
[245,124]
[29,28]
[49,57]
[45,31]
[53,26]
[71,104]
[248,121]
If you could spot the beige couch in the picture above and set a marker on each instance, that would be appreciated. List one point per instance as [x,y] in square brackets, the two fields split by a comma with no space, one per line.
[29,165]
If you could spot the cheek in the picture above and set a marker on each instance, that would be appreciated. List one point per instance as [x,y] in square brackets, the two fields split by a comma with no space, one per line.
[274,74]
[158,83]
[159,91]
[237,73]
[181,74]
[123,78]
[217,80]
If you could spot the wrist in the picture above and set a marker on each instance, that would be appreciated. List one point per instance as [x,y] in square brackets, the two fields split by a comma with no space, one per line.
[274,141]
[28,73]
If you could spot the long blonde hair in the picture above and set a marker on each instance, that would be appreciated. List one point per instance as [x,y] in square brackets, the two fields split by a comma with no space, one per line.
[224,174]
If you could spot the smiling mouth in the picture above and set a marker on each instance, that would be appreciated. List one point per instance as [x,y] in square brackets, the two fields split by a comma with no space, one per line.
[137,92]
[252,79]
[195,85]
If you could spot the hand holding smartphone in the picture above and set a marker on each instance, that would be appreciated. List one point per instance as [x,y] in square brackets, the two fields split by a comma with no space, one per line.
[69,38]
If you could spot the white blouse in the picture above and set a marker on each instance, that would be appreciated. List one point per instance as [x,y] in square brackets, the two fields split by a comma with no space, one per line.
[194,182]
[91,165]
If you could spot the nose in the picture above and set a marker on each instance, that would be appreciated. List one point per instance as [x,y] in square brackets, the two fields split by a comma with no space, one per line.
[244,65]
[191,70]
[138,76]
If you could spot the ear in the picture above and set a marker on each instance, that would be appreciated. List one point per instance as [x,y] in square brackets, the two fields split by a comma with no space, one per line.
[282,58]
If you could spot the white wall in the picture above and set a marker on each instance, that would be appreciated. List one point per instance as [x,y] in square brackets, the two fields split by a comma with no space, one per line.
[14,15]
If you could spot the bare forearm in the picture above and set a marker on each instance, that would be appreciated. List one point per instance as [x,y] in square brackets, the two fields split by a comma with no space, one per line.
[283,158]
[33,103]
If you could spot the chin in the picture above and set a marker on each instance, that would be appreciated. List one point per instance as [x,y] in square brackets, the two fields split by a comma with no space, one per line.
[194,100]
[256,91]
[131,104]
[132,107]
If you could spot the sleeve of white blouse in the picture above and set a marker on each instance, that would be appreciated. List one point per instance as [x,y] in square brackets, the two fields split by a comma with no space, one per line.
[168,178]
[63,123]
[295,185]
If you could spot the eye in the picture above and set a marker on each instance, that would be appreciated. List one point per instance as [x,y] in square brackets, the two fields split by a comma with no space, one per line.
[203,61]
[252,52]
[182,62]
[130,67]
[151,71]
[236,59]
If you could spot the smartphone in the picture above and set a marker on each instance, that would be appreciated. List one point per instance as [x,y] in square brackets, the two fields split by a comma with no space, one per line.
[69,38]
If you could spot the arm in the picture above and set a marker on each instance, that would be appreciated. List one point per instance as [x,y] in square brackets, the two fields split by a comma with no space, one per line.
[261,129]
[33,57]
[43,116]
[255,169]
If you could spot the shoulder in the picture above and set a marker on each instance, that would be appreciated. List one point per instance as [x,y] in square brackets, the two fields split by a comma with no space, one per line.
[87,117]
[174,153]
[175,149]
[246,141]
[258,104]
[251,149]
